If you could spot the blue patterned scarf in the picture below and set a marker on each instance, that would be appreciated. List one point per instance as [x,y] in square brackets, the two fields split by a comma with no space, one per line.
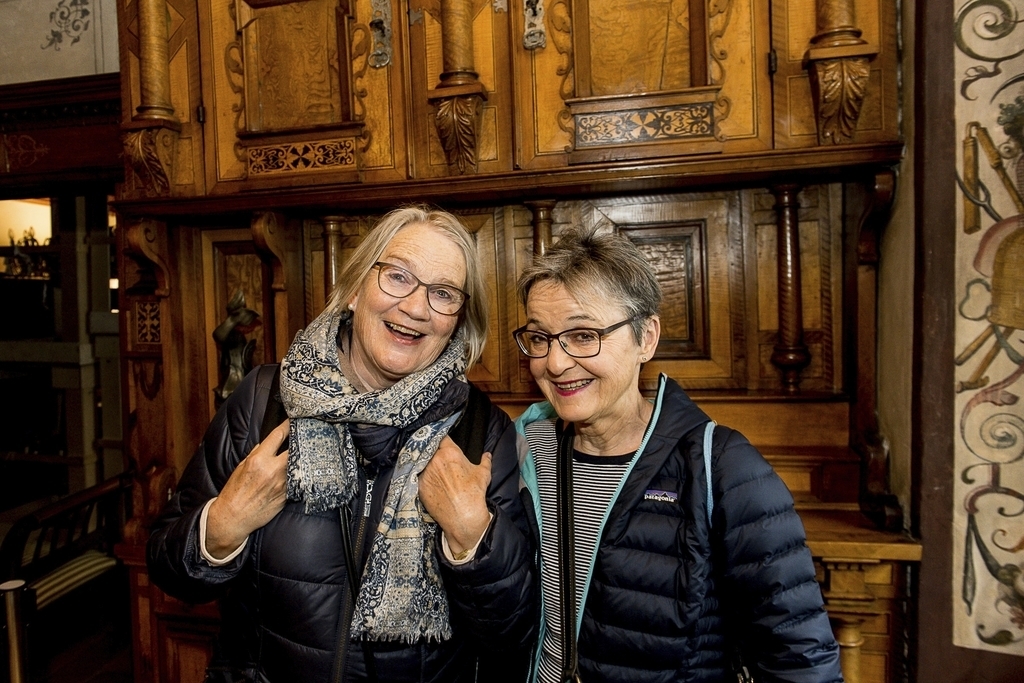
[401,596]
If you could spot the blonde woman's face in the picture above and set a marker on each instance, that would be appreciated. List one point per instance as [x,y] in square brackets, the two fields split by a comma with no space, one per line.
[394,337]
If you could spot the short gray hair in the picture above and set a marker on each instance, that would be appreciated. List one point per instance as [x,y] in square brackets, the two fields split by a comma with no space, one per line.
[473,318]
[609,264]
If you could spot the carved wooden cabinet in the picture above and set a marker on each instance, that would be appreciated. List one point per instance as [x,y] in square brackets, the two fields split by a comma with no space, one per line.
[746,146]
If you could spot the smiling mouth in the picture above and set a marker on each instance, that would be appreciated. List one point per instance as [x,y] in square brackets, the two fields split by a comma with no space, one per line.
[404,331]
[572,386]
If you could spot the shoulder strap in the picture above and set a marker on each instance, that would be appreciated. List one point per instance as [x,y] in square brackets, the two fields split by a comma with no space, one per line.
[273,414]
[709,432]
[471,431]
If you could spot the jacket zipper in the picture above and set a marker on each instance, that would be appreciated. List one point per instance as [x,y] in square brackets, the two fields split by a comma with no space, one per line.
[344,629]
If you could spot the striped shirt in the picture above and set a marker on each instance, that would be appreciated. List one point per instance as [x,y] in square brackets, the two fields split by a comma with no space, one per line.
[595,479]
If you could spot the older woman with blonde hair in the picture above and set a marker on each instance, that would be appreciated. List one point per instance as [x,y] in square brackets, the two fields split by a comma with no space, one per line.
[667,543]
[375,547]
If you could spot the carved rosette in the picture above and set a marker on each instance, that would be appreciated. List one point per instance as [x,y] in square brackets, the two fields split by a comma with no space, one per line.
[457,120]
[149,160]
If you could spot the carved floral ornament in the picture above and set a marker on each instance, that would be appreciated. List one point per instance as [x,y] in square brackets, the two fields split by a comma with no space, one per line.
[456,121]
[838,60]
[149,160]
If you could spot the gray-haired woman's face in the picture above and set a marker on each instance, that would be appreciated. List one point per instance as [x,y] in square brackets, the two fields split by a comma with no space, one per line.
[597,390]
[394,337]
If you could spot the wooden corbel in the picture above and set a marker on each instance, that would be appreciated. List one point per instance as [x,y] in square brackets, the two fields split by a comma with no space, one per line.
[873,198]
[150,139]
[838,60]
[459,96]
[143,300]
[275,247]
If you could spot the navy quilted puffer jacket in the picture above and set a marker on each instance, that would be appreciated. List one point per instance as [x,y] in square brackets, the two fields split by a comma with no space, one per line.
[669,592]
[281,598]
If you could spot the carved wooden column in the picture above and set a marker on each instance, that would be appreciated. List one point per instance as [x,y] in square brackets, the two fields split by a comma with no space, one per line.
[333,241]
[790,354]
[459,96]
[151,138]
[838,60]
[541,224]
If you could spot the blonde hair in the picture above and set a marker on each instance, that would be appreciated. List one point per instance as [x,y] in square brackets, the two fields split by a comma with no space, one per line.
[472,318]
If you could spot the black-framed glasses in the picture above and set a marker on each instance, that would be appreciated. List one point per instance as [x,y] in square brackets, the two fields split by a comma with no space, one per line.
[400,283]
[579,342]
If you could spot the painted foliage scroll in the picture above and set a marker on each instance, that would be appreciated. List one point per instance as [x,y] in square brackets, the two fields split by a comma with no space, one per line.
[989,435]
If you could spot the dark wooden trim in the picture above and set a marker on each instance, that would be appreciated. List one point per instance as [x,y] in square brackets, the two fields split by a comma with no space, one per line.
[933,657]
[805,166]
[63,91]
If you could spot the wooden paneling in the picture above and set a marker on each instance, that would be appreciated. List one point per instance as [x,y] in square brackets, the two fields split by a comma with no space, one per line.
[696,152]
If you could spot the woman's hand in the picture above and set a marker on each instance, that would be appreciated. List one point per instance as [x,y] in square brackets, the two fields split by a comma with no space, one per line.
[454,492]
[252,496]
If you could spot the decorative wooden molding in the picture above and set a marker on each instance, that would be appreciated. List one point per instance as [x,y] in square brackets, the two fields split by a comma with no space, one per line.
[18,152]
[457,119]
[143,242]
[873,198]
[839,64]
[269,234]
[542,219]
[150,140]
[284,138]
[149,158]
[791,355]
[459,96]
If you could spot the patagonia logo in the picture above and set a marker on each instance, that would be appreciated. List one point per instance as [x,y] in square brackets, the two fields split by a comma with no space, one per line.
[661,496]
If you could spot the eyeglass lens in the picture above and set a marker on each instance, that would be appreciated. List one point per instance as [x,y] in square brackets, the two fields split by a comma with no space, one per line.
[581,342]
[400,283]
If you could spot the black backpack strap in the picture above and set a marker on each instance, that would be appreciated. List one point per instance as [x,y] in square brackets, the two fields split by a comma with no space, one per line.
[273,414]
[471,431]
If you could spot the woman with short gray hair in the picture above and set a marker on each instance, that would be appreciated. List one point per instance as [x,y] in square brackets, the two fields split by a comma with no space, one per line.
[669,548]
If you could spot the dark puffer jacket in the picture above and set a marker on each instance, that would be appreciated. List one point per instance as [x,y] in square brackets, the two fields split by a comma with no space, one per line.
[667,588]
[282,597]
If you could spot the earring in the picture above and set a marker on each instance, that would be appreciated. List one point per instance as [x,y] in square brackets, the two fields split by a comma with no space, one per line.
[351,307]
[643,359]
